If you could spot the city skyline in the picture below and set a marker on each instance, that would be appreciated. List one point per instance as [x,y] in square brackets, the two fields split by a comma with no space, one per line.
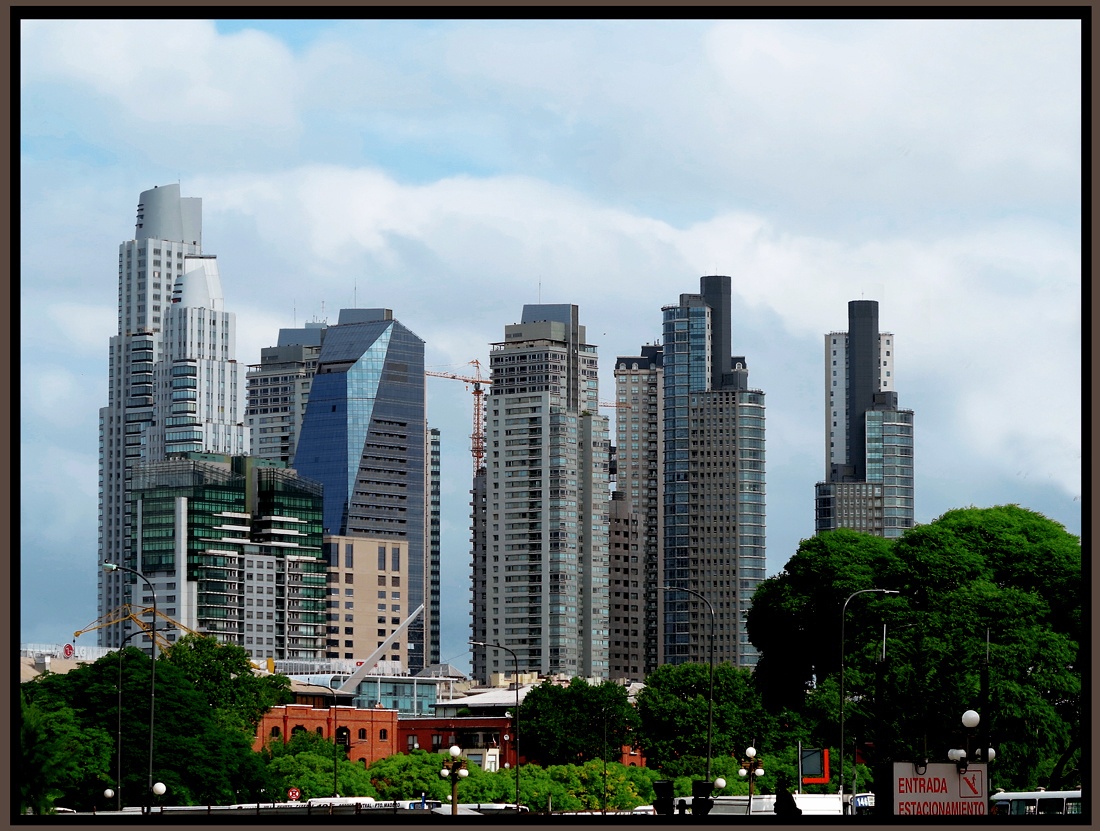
[454,171]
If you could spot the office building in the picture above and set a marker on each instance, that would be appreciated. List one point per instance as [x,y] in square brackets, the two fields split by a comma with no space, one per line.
[546,502]
[174,382]
[626,587]
[713,481]
[364,438]
[639,401]
[232,547]
[278,390]
[868,482]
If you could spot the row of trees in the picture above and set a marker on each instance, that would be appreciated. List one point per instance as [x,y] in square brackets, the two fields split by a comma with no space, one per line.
[995,591]
[1003,582]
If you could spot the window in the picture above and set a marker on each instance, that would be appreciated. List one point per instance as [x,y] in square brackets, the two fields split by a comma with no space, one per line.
[381,558]
[395,559]
[274,731]
[383,735]
[348,548]
[362,732]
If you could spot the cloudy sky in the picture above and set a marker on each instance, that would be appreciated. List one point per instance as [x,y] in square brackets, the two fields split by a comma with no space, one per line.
[455,170]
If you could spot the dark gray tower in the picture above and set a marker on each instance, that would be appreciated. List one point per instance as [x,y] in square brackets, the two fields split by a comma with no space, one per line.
[868,439]
[863,377]
[717,291]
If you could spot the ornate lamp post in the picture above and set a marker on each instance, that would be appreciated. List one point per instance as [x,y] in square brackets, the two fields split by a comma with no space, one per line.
[455,768]
[843,612]
[515,662]
[961,756]
[751,767]
[153,682]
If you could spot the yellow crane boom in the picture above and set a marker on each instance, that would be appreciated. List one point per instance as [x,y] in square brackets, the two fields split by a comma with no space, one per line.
[135,613]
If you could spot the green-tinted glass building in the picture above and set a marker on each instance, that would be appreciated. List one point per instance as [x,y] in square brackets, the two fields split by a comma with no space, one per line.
[233,546]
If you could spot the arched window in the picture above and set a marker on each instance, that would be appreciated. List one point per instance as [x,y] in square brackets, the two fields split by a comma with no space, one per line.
[297,728]
[275,730]
[362,732]
[383,734]
[320,731]
[364,761]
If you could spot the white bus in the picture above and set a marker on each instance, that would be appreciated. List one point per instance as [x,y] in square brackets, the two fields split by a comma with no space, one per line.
[1036,803]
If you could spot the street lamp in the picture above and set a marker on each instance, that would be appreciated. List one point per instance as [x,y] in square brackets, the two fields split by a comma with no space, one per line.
[153,682]
[751,767]
[118,752]
[515,661]
[960,756]
[710,703]
[843,612]
[455,768]
[337,741]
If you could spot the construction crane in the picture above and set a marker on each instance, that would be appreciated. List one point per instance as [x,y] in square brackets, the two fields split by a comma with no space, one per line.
[477,438]
[128,611]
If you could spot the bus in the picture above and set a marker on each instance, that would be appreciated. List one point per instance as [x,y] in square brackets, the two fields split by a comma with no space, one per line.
[1036,803]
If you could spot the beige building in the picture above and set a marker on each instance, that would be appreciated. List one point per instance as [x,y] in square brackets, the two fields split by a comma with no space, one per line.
[368,597]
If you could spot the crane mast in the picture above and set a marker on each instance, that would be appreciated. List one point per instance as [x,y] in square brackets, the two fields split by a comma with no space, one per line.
[477,437]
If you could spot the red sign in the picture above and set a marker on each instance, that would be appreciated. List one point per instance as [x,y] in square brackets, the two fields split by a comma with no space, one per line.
[293,794]
[68,650]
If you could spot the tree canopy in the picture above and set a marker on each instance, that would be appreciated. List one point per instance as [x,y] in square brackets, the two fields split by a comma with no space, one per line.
[1004,575]
[575,723]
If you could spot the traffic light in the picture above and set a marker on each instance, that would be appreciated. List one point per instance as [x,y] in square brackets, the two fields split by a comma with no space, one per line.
[701,803]
[662,788]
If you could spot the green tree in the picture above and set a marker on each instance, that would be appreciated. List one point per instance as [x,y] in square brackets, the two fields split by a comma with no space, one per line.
[576,723]
[223,674]
[195,755]
[57,757]
[674,710]
[913,662]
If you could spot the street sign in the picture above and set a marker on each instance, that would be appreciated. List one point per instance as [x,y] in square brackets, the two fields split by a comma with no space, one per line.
[293,794]
[939,789]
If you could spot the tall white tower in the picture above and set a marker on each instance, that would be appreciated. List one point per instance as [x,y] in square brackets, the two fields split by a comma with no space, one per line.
[173,381]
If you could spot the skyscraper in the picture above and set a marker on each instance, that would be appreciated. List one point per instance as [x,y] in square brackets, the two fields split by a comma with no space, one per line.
[278,389]
[713,481]
[174,383]
[639,400]
[545,576]
[363,437]
[868,440]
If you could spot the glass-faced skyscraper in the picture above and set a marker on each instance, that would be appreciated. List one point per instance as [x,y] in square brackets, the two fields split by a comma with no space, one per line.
[868,439]
[713,481]
[543,588]
[363,437]
[174,382]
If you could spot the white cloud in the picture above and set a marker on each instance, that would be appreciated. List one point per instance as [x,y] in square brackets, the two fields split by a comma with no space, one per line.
[167,72]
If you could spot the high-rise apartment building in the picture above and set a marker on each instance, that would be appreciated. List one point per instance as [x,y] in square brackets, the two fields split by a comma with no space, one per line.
[868,440]
[713,481]
[232,547]
[627,590]
[545,575]
[639,400]
[174,382]
[278,390]
[364,438]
